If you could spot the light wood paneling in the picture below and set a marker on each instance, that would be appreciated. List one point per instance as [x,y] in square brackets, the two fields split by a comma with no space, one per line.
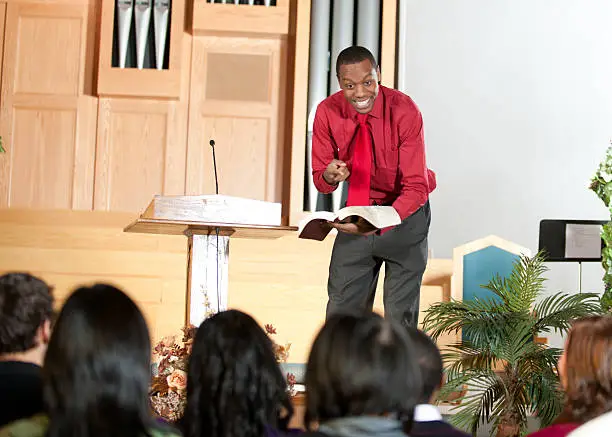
[249,131]
[70,248]
[297,145]
[48,124]
[141,148]
[4,158]
[388,43]
[282,281]
[2,17]
[131,82]
[211,17]
[137,141]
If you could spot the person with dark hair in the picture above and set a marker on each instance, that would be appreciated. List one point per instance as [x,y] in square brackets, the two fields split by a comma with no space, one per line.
[96,371]
[361,379]
[427,418]
[585,371]
[26,308]
[372,137]
[235,387]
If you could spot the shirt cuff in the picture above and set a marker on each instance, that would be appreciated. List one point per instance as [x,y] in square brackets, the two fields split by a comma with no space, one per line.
[322,184]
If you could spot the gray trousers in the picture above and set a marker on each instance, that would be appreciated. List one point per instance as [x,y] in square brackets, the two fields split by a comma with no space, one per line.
[355,265]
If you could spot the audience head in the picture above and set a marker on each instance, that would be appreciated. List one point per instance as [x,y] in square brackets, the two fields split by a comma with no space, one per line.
[234,385]
[360,366]
[26,309]
[430,363]
[97,368]
[585,368]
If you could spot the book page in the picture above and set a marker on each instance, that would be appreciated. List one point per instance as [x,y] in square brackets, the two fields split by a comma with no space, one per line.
[379,216]
[582,241]
[314,226]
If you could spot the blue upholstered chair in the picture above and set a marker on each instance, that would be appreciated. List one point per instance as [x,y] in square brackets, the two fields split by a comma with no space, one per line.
[476,262]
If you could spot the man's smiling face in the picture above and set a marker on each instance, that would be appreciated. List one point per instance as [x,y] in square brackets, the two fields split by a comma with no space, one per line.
[359,84]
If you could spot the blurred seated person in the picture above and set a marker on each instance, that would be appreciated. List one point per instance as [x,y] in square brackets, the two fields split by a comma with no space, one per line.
[26,308]
[585,370]
[235,387]
[427,418]
[96,372]
[362,379]
[600,426]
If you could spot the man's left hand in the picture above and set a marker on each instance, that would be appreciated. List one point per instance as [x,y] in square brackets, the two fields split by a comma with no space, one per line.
[360,227]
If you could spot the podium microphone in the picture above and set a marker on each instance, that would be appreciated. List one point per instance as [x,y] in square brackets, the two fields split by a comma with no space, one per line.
[212,144]
[217,229]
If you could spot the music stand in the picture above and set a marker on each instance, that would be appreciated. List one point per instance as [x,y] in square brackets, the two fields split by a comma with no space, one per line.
[572,241]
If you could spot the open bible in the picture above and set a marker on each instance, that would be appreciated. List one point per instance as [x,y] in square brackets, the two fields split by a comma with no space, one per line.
[316,226]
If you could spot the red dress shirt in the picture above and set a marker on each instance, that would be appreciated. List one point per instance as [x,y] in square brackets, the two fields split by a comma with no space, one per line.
[559,430]
[399,176]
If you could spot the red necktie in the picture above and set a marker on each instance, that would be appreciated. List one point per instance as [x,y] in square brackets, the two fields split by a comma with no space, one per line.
[359,181]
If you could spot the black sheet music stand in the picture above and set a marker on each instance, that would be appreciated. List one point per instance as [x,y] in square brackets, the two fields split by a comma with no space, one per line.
[553,240]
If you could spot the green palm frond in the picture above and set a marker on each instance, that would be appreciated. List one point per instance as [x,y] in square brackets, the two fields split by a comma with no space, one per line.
[524,284]
[475,317]
[546,397]
[539,360]
[558,311]
[517,342]
[466,357]
[484,391]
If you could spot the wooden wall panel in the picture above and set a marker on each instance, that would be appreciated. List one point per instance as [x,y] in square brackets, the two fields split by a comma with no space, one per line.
[2,17]
[296,166]
[282,281]
[135,139]
[141,148]
[47,121]
[70,248]
[244,116]
[388,44]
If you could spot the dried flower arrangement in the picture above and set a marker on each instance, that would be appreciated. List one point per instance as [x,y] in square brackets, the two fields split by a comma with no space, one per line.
[168,394]
[168,387]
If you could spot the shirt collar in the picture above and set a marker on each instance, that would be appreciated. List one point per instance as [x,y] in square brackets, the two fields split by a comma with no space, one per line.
[427,413]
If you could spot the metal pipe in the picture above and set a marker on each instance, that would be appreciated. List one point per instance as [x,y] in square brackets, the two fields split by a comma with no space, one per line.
[317,79]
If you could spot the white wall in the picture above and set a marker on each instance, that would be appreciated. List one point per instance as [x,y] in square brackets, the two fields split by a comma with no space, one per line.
[516,98]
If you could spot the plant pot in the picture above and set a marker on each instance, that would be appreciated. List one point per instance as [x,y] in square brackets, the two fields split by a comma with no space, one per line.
[508,430]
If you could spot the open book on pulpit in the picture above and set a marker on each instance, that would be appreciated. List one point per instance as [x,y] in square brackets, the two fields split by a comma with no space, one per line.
[209,221]
[316,226]
[214,208]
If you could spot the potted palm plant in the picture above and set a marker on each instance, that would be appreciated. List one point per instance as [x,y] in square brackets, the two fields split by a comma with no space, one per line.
[505,372]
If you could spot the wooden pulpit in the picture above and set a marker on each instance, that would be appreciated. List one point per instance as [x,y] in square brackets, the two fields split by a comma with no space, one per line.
[209,221]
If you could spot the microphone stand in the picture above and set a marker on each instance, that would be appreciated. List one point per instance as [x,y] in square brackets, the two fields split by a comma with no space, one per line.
[217,229]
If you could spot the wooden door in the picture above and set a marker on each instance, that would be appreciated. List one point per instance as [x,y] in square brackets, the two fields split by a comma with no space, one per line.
[47,112]
[140,153]
[237,99]
[141,147]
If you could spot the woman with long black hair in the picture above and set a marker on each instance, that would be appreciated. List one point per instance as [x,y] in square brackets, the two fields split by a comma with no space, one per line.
[96,371]
[235,387]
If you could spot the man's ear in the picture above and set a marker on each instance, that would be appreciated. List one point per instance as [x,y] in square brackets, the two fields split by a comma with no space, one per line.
[45,332]
[378,74]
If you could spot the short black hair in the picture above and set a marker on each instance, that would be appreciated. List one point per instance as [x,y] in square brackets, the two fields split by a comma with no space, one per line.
[430,362]
[358,366]
[235,386]
[354,55]
[26,302]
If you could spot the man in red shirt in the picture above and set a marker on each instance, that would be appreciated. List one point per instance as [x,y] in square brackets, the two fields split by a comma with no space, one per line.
[372,137]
